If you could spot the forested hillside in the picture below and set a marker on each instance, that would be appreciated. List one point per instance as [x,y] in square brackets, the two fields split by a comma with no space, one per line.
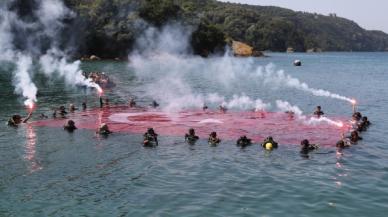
[110,27]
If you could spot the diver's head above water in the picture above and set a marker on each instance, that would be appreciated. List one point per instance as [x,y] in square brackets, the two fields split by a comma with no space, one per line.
[191,132]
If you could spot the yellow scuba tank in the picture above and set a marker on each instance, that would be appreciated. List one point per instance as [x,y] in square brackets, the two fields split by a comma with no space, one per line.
[268,146]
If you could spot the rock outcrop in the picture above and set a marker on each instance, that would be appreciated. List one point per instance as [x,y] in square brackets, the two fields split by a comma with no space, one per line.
[243,50]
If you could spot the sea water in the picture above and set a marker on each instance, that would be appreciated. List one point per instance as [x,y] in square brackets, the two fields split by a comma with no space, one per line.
[47,172]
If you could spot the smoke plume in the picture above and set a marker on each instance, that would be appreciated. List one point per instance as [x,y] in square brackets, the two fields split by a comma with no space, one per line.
[176,79]
[287,107]
[34,37]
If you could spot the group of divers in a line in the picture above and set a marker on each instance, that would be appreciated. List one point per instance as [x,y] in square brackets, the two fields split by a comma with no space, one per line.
[150,137]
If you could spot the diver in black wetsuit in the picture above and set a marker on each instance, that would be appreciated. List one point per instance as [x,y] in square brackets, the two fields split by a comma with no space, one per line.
[61,111]
[269,143]
[223,108]
[191,137]
[213,139]
[357,116]
[363,125]
[43,116]
[150,138]
[306,147]
[72,108]
[154,104]
[104,130]
[132,103]
[354,137]
[318,112]
[365,121]
[243,142]
[70,126]
[84,106]
[342,144]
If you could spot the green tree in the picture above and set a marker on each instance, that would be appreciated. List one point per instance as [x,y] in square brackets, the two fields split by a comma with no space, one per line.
[207,39]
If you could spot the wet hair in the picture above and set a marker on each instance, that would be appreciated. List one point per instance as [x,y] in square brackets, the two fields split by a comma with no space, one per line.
[319,107]
[151,131]
[14,120]
[357,115]
[213,134]
[191,131]
[104,126]
[354,133]
[71,123]
[14,117]
[305,142]
[340,144]
[270,138]
[365,118]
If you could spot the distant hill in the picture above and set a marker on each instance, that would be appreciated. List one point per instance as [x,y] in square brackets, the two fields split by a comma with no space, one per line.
[110,27]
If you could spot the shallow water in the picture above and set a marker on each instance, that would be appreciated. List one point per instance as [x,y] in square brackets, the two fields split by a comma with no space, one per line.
[48,172]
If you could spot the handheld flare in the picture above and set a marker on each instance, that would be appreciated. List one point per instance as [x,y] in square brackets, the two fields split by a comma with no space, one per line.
[30,106]
[354,102]
[100,90]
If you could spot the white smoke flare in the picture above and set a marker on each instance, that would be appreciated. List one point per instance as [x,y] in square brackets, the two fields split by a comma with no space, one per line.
[22,79]
[48,25]
[287,107]
[282,79]
[55,62]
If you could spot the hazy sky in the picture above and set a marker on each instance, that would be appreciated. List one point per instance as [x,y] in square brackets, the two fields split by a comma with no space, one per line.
[369,14]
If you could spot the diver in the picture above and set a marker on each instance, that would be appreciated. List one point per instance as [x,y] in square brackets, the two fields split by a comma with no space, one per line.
[363,125]
[269,143]
[191,137]
[43,116]
[62,111]
[354,137]
[104,129]
[154,104]
[306,147]
[223,108]
[15,120]
[342,144]
[290,114]
[243,142]
[55,113]
[205,107]
[84,106]
[70,126]
[213,139]
[72,108]
[365,121]
[150,138]
[318,112]
[132,103]
[357,116]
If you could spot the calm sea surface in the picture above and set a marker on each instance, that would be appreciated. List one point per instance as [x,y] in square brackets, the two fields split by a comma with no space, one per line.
[47,172]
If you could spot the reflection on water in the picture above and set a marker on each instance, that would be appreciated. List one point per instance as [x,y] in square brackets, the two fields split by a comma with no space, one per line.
[340,167]
[99,137]
[30,150]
